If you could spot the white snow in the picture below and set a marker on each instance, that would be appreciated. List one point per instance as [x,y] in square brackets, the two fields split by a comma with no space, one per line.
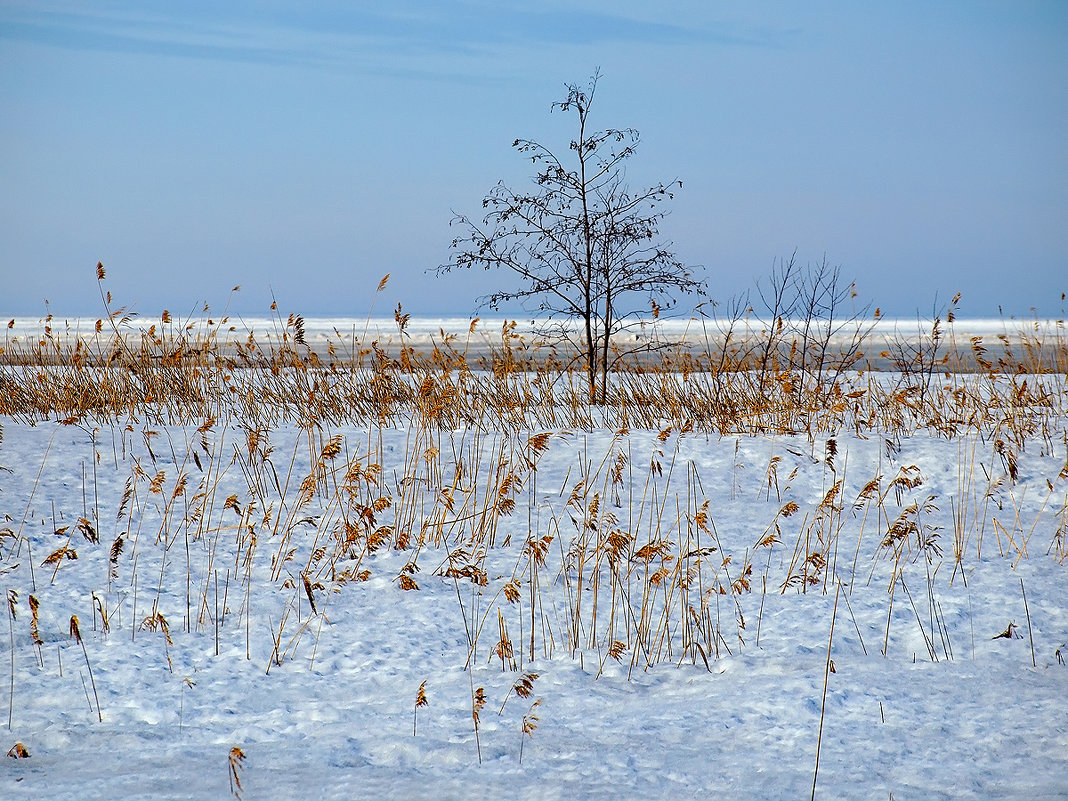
[347,333]
[949,711]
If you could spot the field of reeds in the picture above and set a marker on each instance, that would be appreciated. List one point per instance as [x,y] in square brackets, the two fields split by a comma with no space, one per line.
[203,500]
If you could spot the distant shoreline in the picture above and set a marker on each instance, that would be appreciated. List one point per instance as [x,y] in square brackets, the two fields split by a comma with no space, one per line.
[1042,342]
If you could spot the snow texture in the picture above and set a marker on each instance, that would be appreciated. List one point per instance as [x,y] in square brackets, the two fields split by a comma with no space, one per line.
[948,711]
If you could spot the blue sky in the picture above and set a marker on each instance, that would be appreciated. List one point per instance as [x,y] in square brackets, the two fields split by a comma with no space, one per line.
[306,150]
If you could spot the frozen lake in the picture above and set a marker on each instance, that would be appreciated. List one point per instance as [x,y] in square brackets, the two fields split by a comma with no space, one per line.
[340,338]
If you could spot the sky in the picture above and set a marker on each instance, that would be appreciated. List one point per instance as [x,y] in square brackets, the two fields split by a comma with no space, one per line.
[304,151]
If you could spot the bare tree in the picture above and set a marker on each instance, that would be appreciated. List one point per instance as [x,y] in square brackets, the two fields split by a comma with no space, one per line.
[810,325]
[584,246]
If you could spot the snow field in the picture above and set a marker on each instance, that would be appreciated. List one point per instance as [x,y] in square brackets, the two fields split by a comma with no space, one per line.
[924,701]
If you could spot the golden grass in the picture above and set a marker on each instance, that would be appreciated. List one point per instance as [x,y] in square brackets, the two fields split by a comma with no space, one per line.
[623,564]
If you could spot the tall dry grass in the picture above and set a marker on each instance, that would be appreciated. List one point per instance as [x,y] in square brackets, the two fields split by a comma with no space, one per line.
[620,561]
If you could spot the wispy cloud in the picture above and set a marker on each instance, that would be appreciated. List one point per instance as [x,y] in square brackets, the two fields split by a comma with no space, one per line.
[345,35]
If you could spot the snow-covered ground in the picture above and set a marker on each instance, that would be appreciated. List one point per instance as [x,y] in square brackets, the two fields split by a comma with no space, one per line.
[924,700]
[425,328]
[341,338]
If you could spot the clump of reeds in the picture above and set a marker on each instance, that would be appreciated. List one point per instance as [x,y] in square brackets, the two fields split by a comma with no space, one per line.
[622,562]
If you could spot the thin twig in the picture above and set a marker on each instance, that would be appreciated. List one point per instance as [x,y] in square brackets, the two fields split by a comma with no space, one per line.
[1030,636]
[823,704]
